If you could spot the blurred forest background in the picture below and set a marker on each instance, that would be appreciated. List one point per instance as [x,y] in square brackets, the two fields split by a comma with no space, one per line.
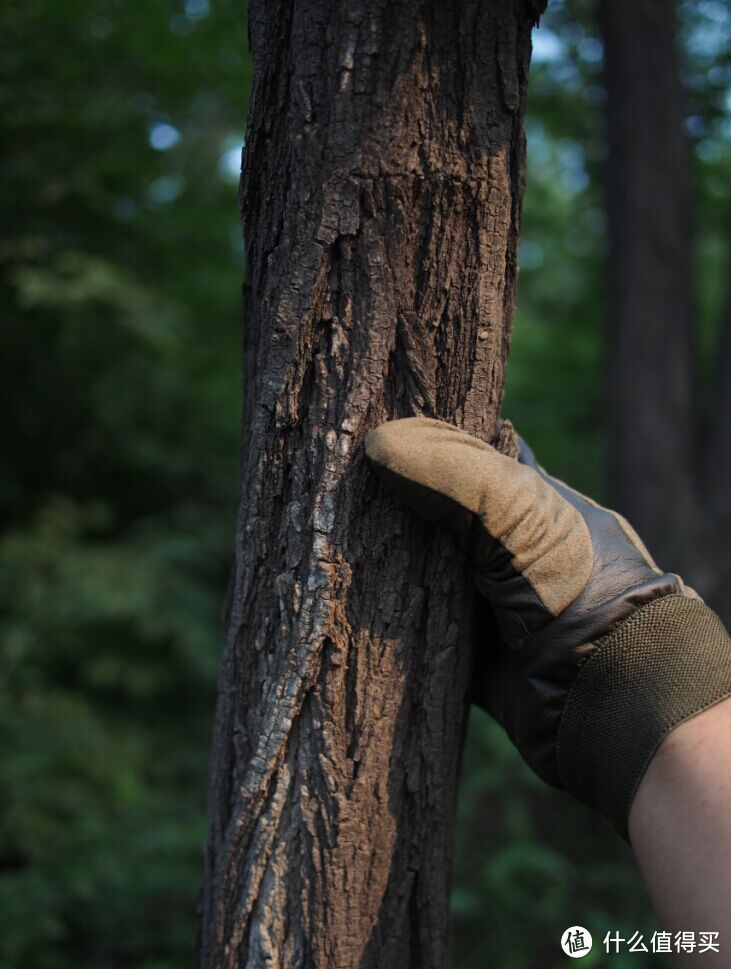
[121,263]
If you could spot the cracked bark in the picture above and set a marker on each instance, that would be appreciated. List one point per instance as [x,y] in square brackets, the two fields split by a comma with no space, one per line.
[381,201]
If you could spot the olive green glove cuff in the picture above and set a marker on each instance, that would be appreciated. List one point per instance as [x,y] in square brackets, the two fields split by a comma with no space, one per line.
[670,660]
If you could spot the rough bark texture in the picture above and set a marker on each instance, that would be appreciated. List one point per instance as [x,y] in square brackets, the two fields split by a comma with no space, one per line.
[670,477]
[381,199]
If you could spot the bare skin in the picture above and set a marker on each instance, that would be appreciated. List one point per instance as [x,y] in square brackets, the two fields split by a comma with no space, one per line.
[680,829]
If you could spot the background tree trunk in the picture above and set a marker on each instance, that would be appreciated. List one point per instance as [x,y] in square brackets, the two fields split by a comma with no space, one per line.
[717,474]
[668,476]
[651,389]
[381,200]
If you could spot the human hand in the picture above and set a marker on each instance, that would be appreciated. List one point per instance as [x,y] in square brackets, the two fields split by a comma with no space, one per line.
[601,653]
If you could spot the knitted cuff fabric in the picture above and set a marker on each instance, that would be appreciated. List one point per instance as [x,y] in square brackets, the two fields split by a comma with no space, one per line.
[667,662]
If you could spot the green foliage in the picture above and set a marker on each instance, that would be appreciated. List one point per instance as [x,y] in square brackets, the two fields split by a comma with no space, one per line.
[120,272]
[530,862]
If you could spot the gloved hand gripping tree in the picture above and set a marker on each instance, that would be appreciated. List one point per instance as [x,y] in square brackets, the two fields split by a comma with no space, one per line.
[602,653]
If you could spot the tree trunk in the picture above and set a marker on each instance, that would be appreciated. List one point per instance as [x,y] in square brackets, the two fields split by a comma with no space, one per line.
[670,479]
[381,199]
[651,367]
[717,474]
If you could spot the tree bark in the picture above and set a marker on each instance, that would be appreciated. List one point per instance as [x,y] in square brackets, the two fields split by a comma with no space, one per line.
[651,386]
[381,200]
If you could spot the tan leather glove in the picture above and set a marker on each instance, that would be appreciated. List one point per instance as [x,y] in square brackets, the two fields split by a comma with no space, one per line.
[601,652]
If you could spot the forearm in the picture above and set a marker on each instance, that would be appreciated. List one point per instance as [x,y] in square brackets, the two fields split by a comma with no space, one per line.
[680,829]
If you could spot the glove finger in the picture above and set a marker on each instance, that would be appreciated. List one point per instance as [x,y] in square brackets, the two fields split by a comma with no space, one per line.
[449,476]
[528,458]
